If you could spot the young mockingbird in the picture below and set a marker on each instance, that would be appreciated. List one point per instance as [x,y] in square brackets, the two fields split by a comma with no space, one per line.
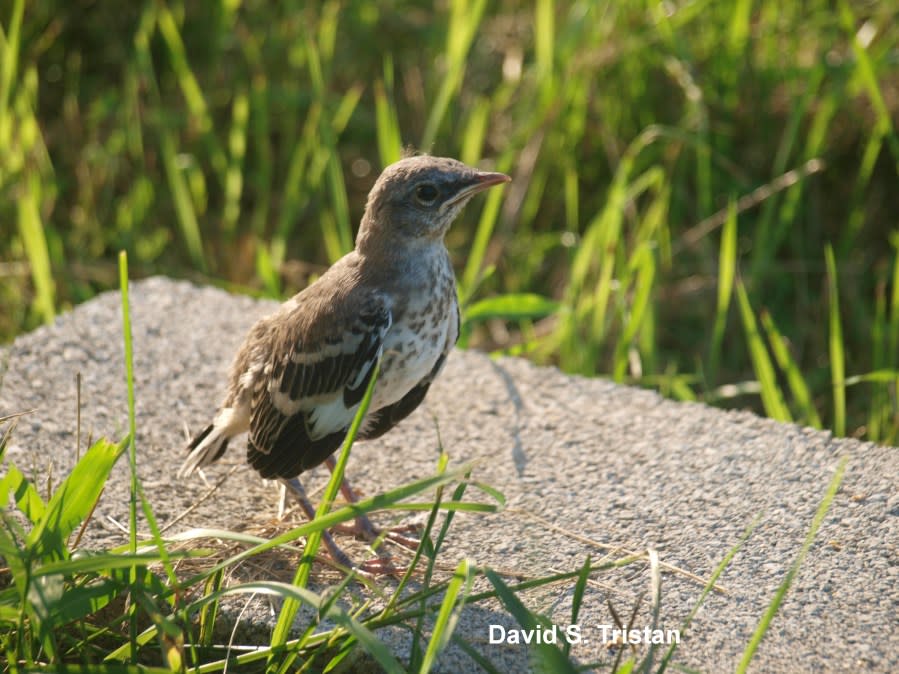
[300,375]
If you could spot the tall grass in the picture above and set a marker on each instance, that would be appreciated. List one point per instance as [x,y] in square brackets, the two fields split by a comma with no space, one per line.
[225,146]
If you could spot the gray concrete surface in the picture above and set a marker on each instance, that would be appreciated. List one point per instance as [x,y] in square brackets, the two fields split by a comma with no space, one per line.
[608,464]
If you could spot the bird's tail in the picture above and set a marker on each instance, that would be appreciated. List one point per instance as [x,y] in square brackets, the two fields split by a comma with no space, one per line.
[206,447]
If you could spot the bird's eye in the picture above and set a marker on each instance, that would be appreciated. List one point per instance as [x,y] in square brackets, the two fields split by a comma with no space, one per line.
[426,194]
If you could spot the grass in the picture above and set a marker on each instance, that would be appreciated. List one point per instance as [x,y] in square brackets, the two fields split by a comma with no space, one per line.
[665,158]
[669,160]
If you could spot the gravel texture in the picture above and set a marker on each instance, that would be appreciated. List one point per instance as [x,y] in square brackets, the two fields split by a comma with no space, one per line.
[586,466]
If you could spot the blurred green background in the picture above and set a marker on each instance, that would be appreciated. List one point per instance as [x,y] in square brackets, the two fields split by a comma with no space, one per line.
[705,196]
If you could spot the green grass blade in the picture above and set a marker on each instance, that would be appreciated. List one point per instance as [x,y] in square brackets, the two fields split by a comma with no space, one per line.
[338,235]
[597,251]
[475,132]
[727,271]
[429,549]
[878,414]
[577,599]
[544,38]
[129,380]
[31,229]
[73,501]
[343,243]
[334,483]
[738,31]
[390,142]
[298,182]
[713,580]
[14,484]
[883,376]
[788,365]
[184,207]
[448,617]
[333,518]
[572,200]
[19,565]
[893,327]
[642,268]
[55,604]
[868,77]
[425,547]
[237,147]
[836,346]
[511,307]
[892,330]
[774,606]
[105,562]
[8,66]
[465,17]
[451,506]
[769,234]
[104,668]
[551,656]
[855,222]
[193,94]
[132,448]
[772,396]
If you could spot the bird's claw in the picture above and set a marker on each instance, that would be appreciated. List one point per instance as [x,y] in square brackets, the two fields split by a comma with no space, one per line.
[380,566]
[363,528]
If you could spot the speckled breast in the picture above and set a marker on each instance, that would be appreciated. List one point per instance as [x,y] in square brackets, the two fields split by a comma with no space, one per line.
[424,328]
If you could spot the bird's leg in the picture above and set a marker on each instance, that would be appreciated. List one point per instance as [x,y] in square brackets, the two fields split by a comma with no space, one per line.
[295,487]
[375,566]
[363,526]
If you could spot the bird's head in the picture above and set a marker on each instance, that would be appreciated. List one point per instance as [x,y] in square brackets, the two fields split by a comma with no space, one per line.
[417,199]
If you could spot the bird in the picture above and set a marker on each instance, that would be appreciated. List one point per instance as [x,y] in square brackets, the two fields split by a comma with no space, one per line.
[299,377]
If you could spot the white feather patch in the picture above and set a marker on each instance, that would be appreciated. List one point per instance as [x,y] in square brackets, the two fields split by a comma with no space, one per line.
[330,417]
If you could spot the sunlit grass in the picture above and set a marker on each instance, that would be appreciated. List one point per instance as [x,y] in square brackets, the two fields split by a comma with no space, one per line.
[772,609]
[628,130]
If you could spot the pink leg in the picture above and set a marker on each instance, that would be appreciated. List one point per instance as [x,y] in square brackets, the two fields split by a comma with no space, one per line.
[363,526]
[373,567]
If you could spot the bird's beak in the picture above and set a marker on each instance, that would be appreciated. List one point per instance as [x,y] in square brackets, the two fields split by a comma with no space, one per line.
[485,180]
[482,180]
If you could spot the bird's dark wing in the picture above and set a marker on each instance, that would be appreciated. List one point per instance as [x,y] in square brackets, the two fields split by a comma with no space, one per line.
[316,380]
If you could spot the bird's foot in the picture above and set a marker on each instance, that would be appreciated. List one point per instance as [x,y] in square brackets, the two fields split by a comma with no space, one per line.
[380,566]
[364,529]
[377,566]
